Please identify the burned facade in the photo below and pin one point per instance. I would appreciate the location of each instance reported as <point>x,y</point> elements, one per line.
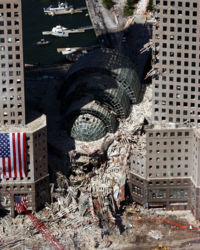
<point>98,90</point>
<point>22,176</point>
<point>168,174</point>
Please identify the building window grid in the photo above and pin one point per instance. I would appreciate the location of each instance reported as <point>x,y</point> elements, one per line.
<point>159,165</point>
<point>12,44</point>
<point>189,105</point>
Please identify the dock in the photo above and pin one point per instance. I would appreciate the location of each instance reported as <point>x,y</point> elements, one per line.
<point>75,49</point>
<point>64,12</point>
<point>67,32</point>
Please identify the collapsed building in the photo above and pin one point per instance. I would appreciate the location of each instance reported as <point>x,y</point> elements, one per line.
<point>97,96</point>
<point>100,169</point>
<point>98,91</point>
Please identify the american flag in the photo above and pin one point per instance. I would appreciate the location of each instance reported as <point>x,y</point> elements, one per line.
<point>20,202</point>
<point>13,155</point>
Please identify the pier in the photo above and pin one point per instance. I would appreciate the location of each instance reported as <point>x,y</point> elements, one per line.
<point>75,49</point>
<point>65,12</point>
<point>64,32</point>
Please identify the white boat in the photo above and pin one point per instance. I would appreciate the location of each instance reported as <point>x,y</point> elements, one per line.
<point>60,31</point>
<point>57,31</point>
<point>68,51</point>
<point>62,8</point>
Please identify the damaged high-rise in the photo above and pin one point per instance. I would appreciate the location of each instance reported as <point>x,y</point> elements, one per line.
<point>168,174</point>
<point>23,147</point>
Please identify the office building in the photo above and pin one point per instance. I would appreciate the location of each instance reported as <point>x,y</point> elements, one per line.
<point>24,173</point>
<point>169,173</point>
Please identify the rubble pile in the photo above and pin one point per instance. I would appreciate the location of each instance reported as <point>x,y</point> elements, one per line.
<point>139,113</point>
<point>86,208</point>
<point>75,231</point>
<point>96,188</point>
<point>99,169</point>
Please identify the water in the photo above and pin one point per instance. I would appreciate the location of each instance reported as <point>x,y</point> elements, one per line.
<point>35,21</point>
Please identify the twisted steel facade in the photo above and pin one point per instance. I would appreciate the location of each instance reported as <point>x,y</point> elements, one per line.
<point>98,90</point>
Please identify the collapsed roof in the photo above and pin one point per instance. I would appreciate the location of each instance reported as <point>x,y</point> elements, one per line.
<point>98,89</point>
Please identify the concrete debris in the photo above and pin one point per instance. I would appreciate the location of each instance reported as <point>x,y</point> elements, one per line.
<point>147,47</point>
<point>87,205</point>
<point>86,209</point>
<point>89,208</point>
<point>152,72</point>
<point>155,234</point>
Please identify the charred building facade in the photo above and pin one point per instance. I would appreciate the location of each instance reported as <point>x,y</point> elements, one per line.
<point>23,164</point>
<point>168,175</point>
<point>98,90</point>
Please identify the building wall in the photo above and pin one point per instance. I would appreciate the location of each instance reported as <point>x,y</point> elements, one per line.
<point>11,64</point>
<point>169,153</point>
<point>36,185</point>
<point>172,140</point>
<point>37,162</point>
<point>195,197</point>
<point>167,193</point>
<point>138,164</point>
<point>197,203</point>
<point>40,153</point>
<point>138,188</point>
<point>172,169</point>
<point>195,155</point>
<point>37,193</point>
<point>176,36</point>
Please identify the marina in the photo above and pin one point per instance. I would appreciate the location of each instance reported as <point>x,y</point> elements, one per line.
<point>33,28</point>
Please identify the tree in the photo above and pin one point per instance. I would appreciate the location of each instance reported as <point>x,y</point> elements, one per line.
<point>128,11</point>
<point>150,5</point>
<point>107,3</point>
<point>130,7</point>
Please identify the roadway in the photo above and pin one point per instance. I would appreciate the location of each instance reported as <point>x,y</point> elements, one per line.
<point>106,25</point>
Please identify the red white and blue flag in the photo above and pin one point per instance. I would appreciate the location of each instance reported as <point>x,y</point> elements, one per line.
<point>12,155</point>
<point>20,203</point>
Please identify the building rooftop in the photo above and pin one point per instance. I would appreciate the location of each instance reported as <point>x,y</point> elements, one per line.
<point>28,128</point>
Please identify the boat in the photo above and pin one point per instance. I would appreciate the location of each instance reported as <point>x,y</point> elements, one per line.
<point>62,8</point>
<point>58,31</point>
<point>42,42</point>
<point>73,57</point>
<point>68,51</point>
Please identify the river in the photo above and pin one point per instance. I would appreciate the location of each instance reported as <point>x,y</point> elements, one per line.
<point>35,21</point>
